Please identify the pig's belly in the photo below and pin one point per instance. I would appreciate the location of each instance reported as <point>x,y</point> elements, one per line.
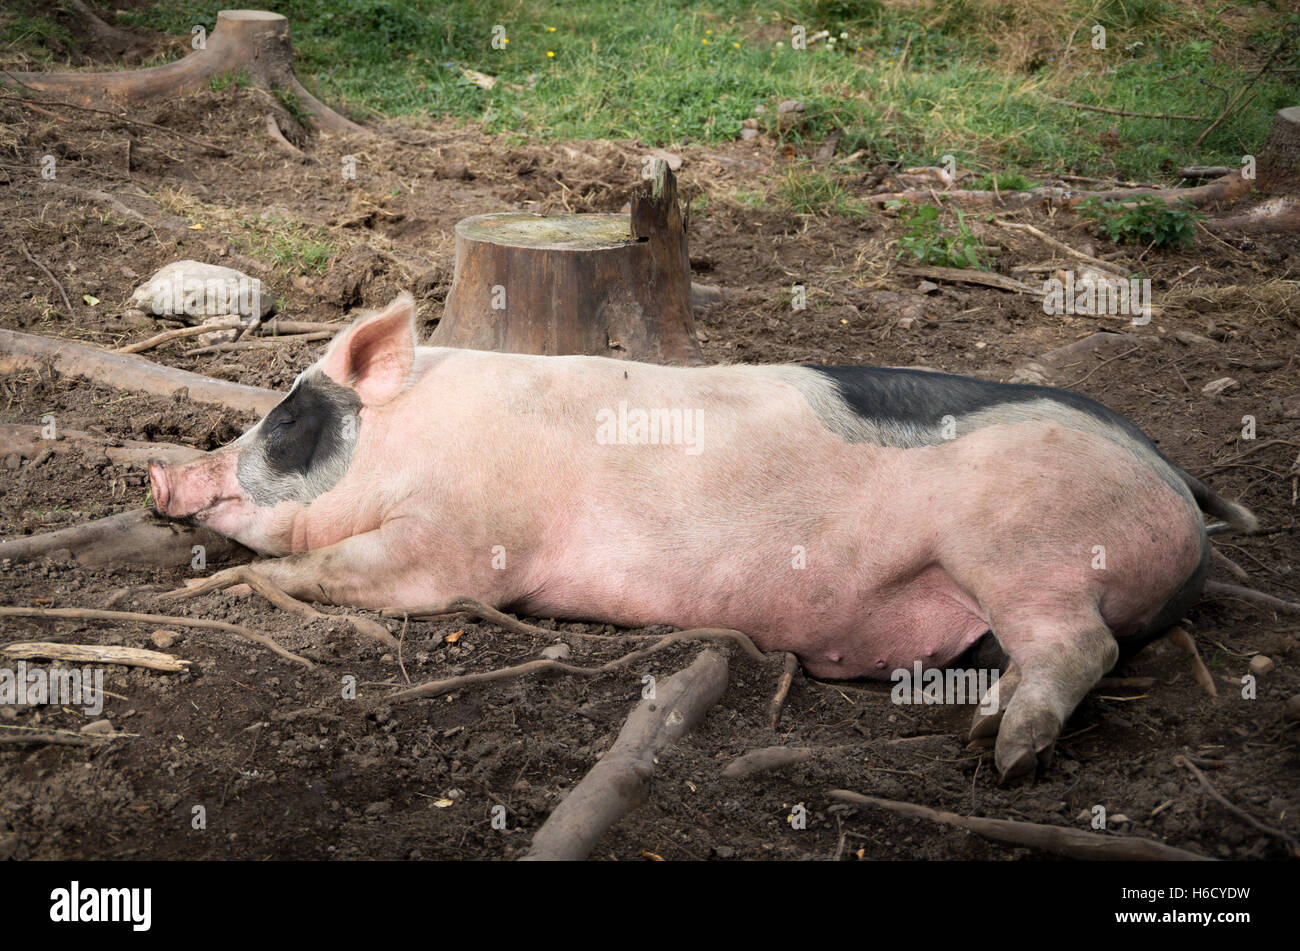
<point>841,631</point>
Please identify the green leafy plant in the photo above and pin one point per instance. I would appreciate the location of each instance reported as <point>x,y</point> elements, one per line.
<point>929,243</point>
<point>1144,220</point>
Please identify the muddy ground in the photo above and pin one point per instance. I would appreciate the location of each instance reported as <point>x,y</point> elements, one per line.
<point>286,768</point>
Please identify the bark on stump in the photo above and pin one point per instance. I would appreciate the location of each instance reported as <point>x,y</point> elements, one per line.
<point>254,42</point>
<point>602,285</point>
<point>1278,162</point>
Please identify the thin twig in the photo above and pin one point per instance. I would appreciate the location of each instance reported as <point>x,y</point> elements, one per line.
<point>1236,810</point>
<point>1123,112</point>
<point>22,246</point>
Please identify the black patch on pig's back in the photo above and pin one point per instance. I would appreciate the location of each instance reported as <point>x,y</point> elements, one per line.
<point>922,398</point>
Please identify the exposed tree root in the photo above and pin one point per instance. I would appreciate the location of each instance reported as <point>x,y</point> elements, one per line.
<point>252,42</point>
<point>1059,840</point>
<point>1237,571</point>
<point>788,670</point>
<point>478,609</point>
<point>28,351</point>
<point>1200,673</point>
<point>88,614</point>
<point>1250,594</point>
<point>28,440</point>
<point>766,760</point>
<point>132,538</point>
<point>617,783</point>
<point>247,574</point>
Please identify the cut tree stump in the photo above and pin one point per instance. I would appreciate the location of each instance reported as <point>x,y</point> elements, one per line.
<point>601,285</point>
<point>252,42</point>
<point>1278,162</point>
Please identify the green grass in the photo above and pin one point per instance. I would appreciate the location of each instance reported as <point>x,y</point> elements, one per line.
<point>912,81</point>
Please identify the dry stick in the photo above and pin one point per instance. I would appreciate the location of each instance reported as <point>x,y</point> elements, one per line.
<point>1059,840</point>
<point>95,654</point>
<point>167,336</point>
<point>788,671</point>
<point>1200,673</point>
<point>37,109</point>
<point>136,538</point>
<point>84,614</point>
<point>617,783</point>
<point>22,246</point>
<point>968,276</point>
<point>478,609</point>
<point>247,574</point>
<point>1059,245</point>
<point>1250,594</point>
<point>1237,811</point>
<point>261,343</point>
<point>1123,112</point>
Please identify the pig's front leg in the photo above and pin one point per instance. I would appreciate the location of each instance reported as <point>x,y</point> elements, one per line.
<point>1058,664</point>
<point>370,570</point>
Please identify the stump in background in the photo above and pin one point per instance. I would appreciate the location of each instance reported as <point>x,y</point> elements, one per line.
<point>603,285</point>
<point>1278,162</point>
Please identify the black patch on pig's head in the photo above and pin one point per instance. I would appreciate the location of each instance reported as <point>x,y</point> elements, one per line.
<point>303,447</point>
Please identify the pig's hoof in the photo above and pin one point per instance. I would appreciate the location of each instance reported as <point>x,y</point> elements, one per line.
<point>1025,741</point>
<point>985,723</point>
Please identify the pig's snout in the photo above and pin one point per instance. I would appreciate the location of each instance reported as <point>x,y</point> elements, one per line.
<point>158,483</point>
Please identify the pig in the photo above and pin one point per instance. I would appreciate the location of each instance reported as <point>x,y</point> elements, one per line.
<point>863,518</point>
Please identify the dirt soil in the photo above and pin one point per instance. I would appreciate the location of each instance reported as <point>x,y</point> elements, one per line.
<point>284,767</point>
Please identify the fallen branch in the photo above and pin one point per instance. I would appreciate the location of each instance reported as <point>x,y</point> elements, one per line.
<point>617,783</point>
<point>1003,199</point>
<point>48,739</point>
<point>133,538</point>
<point>971,276</point>
<point>1059,840</point>
<point>260,343</point>
<point>1237,571</point>
<point>94,654</point>
<point>1059,245</point>
<point>1237,811</point>
<point>157,340</point>
<point>1250,594</point>
<point>28,352</point>
<point>789,669</point>
<point>88,614</point>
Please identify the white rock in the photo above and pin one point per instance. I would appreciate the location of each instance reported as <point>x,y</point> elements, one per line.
<point>557,652</point>
<point>203,290</point>
<point>1215,387</point>
<point>1261,665</point>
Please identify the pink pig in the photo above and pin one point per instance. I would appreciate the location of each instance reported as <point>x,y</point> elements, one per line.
<point>862,518</point>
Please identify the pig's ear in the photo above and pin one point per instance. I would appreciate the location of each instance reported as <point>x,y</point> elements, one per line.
<point>374,356</point>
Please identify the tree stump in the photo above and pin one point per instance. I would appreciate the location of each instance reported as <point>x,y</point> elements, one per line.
<point>603,285</point>
<point>1278,162</point>
<point>254,42</point>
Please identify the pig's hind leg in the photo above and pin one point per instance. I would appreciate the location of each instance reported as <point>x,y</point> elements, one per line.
<point>1058,660</point>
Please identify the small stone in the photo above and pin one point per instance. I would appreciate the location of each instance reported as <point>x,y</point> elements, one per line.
<point>1261,665</point>
<point>789,106</point>
<point>13,460</point>
<point>1293,708</point>
<point>724,852</point>
<point>98,726</point>
<point>1215,387</point>
<point>557,652</point>
<point>1118,819</point>
<point>163,639</point>
<point>379,808</point>
<point>748,135</point>
<point>749,124</point>
<point>1291,407</point>
<point>927,287</point>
